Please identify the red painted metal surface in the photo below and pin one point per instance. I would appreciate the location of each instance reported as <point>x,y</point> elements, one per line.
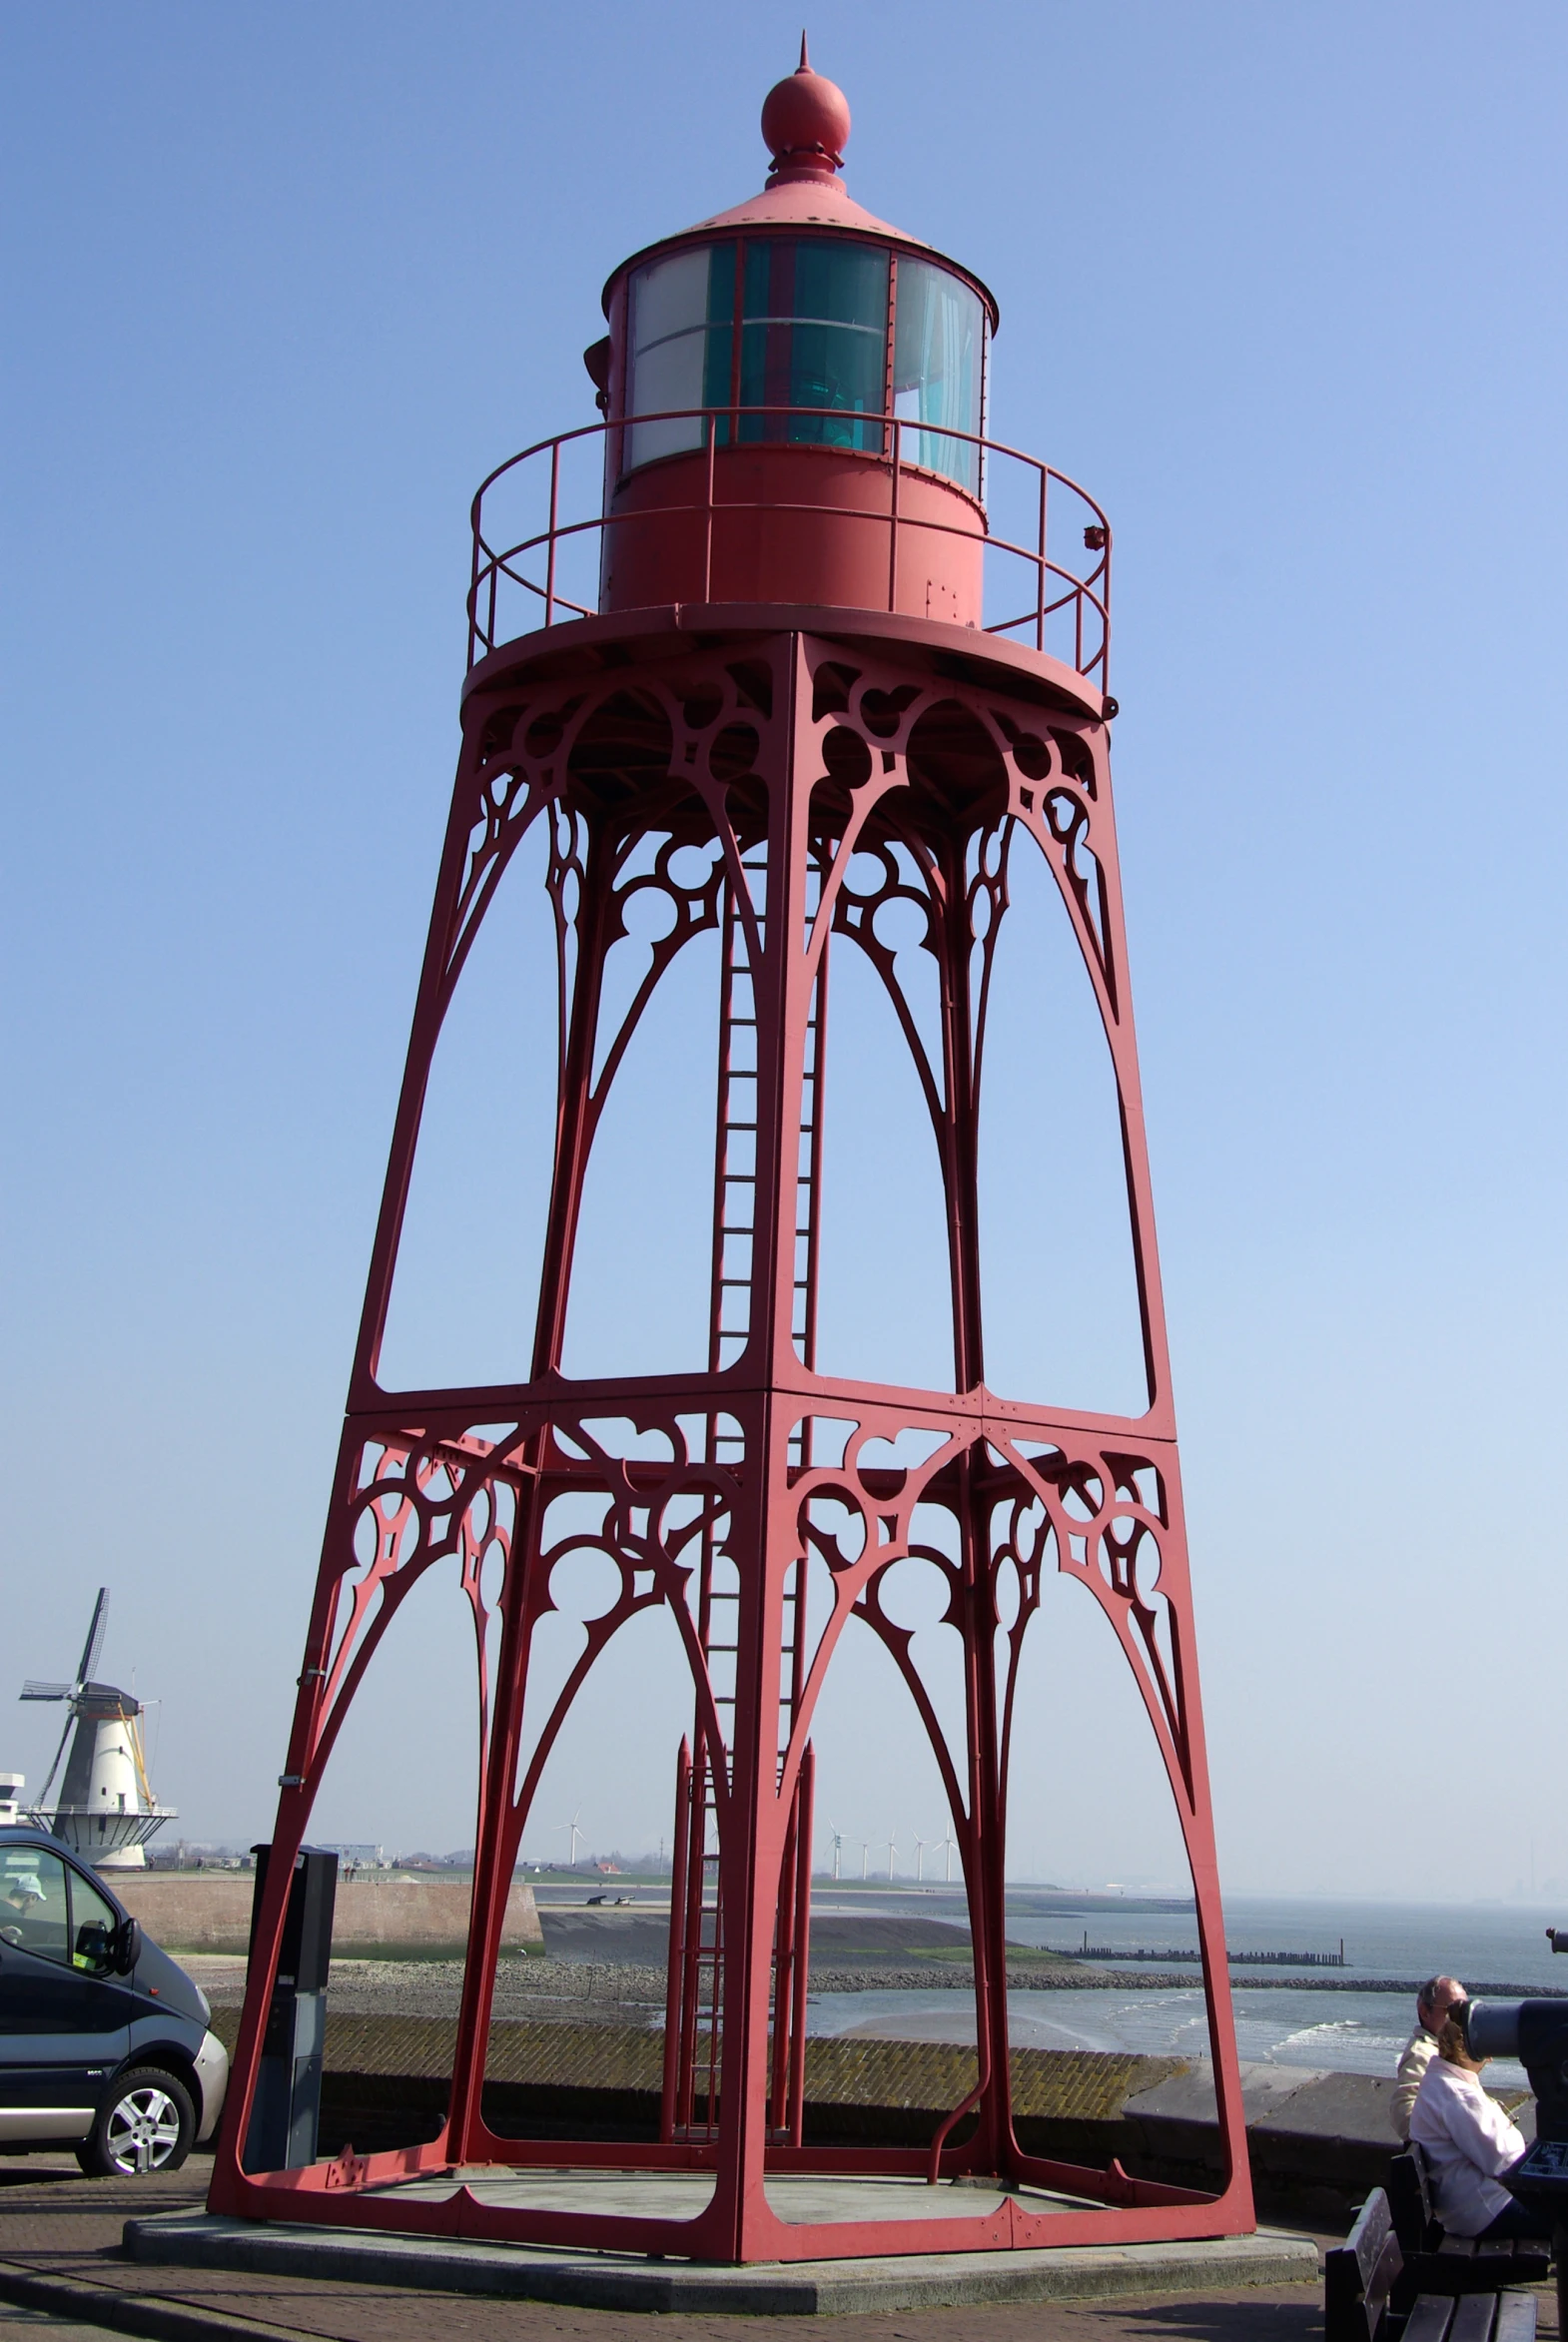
<point>812,525</point>
<point>797,525</point>
<point>776,774</point>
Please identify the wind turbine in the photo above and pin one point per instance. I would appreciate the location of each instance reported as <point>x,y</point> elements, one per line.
<point>575,1834</point>
<point>865,1857</point>
<point>838,1847</point>
<point>950,1843</point>
<point>892,1843</point>
<point>919,1860</point>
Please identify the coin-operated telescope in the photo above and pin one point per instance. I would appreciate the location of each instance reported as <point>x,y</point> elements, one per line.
<point>1536,2032</point>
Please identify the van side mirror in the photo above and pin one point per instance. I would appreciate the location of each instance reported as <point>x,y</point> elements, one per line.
<point>128,1948</point>
<point>97,1949</point>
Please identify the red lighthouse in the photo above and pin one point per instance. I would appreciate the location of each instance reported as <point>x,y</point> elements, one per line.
<point>817,675</point>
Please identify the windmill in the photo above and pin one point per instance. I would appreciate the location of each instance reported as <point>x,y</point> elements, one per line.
<point>837,1836</point>
<point>106,1808</point>
<point>919,1860</point>
<point>575,1834</point>
<point>950,1844</point>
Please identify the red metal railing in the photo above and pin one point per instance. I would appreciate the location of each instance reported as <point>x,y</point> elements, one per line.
<point>1070,612</point>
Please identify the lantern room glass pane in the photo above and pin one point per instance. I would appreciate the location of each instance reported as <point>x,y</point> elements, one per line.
<point>939,370</point>
<point>680,331</point>
<point>814,335</point>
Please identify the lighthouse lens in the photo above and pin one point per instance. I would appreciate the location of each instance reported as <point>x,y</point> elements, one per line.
<point>937,371</point>
<point>811,351</point>
<point>682,337</point>
<point>814,326</point>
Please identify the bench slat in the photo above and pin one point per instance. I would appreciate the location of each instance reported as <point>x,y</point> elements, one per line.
<point>1368,2240</point>
<point>1459,2249</point>
<point>1473,2316</point>
<point>1429,2321</point>
<point>1360,2275</point>
<point>1409,2200</point>
<point>1387,2275</point>
<point>1433,2272</point>
<point>1531,2263</point>
<point>1515,2317</point>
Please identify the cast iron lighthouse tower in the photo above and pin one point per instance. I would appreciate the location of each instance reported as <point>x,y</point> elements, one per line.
<point>810,674</point>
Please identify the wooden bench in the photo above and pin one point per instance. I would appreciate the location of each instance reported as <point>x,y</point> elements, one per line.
<point>1363,2276</point>
<point>1471,2317</point>
<point>1435,2264</point>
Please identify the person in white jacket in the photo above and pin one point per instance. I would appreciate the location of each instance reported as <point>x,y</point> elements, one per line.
<point>1469,2142</point>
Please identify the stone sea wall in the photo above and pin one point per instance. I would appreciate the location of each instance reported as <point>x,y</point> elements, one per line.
<point>1317,2141</point>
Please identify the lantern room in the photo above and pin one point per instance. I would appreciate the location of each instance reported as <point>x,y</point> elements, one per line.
<point>797,395</point>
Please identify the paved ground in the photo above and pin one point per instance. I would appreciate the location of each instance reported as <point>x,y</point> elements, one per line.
<point>22,2325</point>
<point>55,2223</point>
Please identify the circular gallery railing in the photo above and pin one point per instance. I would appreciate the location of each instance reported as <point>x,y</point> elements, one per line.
<point>543,539</point>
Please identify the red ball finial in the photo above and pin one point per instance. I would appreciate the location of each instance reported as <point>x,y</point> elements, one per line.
<point>805,121</point>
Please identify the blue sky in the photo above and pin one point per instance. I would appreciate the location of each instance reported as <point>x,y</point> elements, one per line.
<point>1283,289</point>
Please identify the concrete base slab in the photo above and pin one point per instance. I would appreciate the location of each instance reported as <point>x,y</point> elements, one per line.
<point>629,2281</point>
<point>682,2195</point>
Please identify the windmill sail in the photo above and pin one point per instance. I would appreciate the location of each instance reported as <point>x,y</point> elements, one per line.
<point>95,1637</point>
<point>49,1778</point>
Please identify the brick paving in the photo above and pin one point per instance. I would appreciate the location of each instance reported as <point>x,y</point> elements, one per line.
<point>55,2223</point>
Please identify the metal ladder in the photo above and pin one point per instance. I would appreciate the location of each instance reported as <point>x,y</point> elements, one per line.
<point>693,2033</point>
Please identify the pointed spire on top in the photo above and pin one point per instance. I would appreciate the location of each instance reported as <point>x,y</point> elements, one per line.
<point>805,121</point>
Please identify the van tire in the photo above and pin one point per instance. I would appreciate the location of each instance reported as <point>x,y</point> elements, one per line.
<point>146,2123</point>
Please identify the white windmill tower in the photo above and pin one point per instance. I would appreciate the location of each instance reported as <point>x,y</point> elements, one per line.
<point>106,1808</point>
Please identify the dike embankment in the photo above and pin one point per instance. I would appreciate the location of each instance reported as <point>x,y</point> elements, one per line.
<point>210,1910</point>
<point>1319,2141</point>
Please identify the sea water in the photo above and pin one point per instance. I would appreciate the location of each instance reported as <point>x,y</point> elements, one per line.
<point>1282,2018</point>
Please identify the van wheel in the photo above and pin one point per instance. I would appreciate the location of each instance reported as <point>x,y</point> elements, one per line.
<point>147,2124</point>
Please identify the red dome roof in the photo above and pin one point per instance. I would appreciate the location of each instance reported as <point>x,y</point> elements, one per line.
<point>805,121</point>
